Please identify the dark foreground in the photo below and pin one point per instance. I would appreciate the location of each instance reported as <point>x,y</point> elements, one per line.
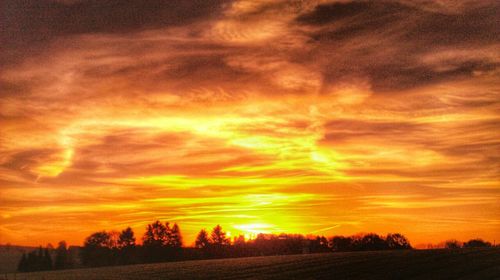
<point>413,264</point>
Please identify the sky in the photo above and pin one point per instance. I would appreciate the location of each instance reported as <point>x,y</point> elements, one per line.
<point>313,117</point>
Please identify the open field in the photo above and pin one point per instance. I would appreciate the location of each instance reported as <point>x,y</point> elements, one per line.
<point>412,264</point>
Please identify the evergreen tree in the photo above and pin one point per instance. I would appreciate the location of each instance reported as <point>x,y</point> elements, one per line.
<point>155,242</point>
<point>62,257</point>
<point>175,237</point>
<point>218,236</point>
<point>202,240</point>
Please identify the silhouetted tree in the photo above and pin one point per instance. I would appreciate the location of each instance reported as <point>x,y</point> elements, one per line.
<point>371,242</point>
<point>155,235</point>
<point>397,241</point>
<point>62,259</point>
<point>318,244</point>
<point>175,237</point>
<point>476,243</point>
<point>168,234</point>
<point>160,242</point>
<point>218,236</point>
<point>126,238</point>
<point>173,249</point>
<point>239,240</point>
<point>37,260</point>
<point>341,243</point>
<point>126,251</point>
<point>239,245</point>
<point>282,244</point>
<point>97,249</point>
<point>452,244</point>
<point>262,245</point>
<point>100,239</point>
<point>219,243</point>
<point>202,240</point>
<point>154,239</point>
<point>47,260</point>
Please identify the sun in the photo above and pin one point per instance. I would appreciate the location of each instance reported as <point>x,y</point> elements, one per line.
<point>250,231</point>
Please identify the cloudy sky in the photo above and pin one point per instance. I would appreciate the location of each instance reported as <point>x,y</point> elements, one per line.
<point>315,117</point>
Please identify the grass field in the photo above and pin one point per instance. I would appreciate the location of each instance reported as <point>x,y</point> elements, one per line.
<point>413,264</point>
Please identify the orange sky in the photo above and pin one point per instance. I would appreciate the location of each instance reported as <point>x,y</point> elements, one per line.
<point>313,117</point>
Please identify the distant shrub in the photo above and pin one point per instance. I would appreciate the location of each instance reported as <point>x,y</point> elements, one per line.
<point>452,244</point>
<point>476,243</point>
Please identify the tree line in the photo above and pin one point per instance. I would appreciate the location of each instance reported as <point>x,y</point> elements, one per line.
<point>41,259</point>
<point>473,243</point>
<point>163,242</point>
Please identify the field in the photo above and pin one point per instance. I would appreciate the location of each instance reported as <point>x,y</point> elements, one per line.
<point>413,264</point>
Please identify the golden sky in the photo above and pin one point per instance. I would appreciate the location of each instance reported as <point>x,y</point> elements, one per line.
<point>313,117</point>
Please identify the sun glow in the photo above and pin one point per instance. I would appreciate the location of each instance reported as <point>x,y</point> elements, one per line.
<point>251,230</point>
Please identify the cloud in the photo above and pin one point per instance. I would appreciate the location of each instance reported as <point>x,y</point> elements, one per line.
<point>385,41</point>
<point>32,21</point>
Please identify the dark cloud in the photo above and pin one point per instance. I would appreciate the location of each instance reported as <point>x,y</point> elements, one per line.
<point>346,130</point>
<point>327,13</point>
<point>29,158</point>
<point>478,24</point>
<point>26,23</point>
<point>9,88</point>
<point>468,141</point>
<point>386,40</point>
<point>471,27</point>
<point>25,162</point>
<point>409,73</point>
<point>42,19</point>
